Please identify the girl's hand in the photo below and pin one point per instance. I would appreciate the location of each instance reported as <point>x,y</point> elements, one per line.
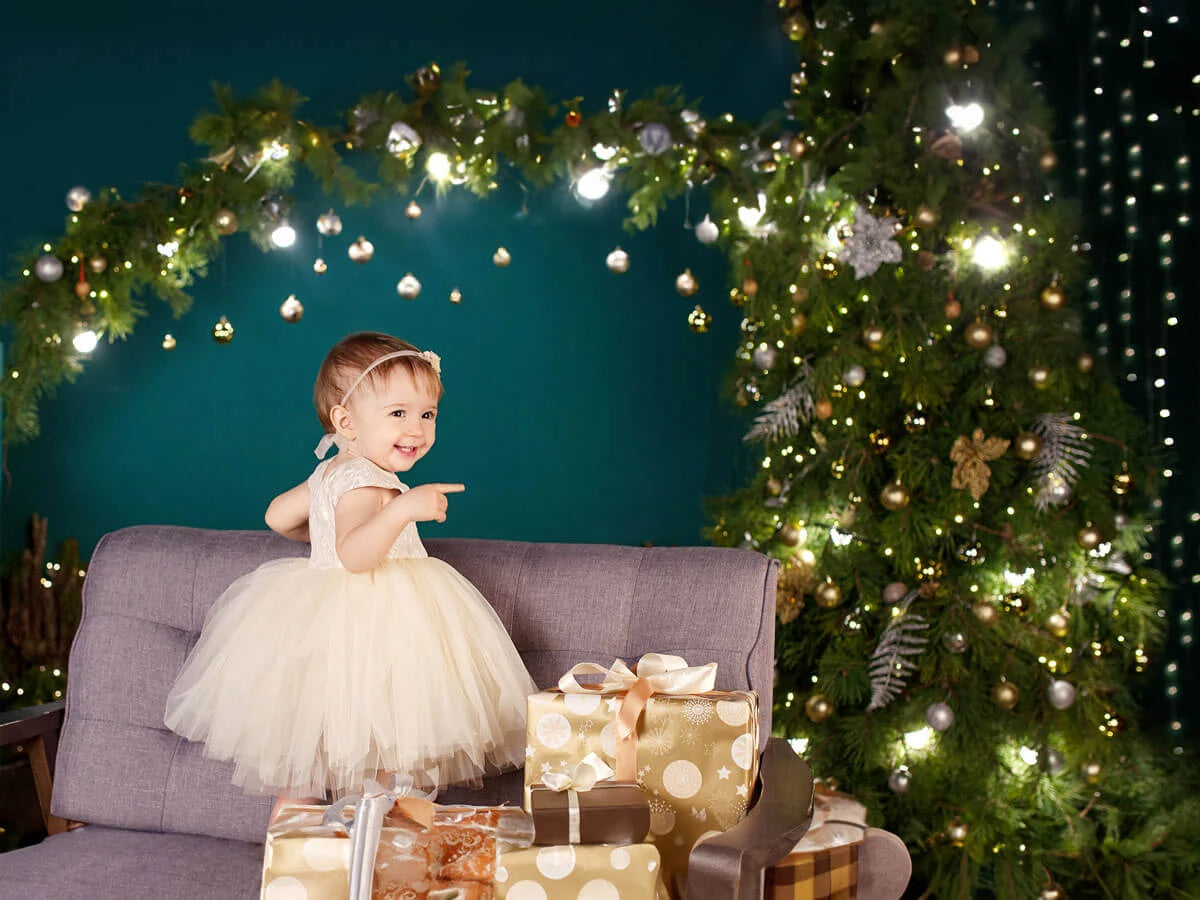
<point>427,502</point>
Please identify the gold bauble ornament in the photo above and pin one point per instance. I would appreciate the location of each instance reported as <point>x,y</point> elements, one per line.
<point>501,258</point>
<point>881,441</point>
<point>930,571</point>
<point>1027,445</point>
<point>823,408</point>
<point>956,832</point>
<point>789,535</point>
<point>1086,362</point>
<point>97,264</point>
<point>795,26</point>
<point>1089,537</point>
<point>1005,695</point>
<point>979,335</point>
<point>818,708</point>
<point>320,267</point>
<point>427,79</point>
<point>828,595</point>
<point>797,324</point>
<point>750,287</point>
<point>797,146</point>
<point>1123,482</point>
<point>916,421</point>
<point>774,486</point>
<point>291,310</point>
<point>953,309</point>
<point>329,224</point>
<point>1092,771</point>
<point>970,54</point>
<point>408,287</point>
<point>838,468</point>
<point>455,296</point>
<point>1058,622</point>
<point>82,289</point>
<point>226,221</point>
<point>1016,603</point>
<point>872,337</point>
<point>169,342</point>
<point>686,283</point>
<point>926,216</point>
<point>985,613</point>
<point>222,332</point>
<point>699,320</point>
<point>894,496</point>
<point>953,57</point>
<point>617,261</point>
<point>1052,892</point>
<point>1048,160</point>
<point>1039,376</point>
<point>413,210</point>
<point>1054,297</point>
<point>361,250</point>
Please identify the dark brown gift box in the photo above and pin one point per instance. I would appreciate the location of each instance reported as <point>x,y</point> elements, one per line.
<point>611,812</point>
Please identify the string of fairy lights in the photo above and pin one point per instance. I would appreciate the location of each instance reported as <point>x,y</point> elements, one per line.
<point>1133,172</point>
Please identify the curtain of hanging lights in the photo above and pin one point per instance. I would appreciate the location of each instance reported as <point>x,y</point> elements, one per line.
<point>1127,82</point>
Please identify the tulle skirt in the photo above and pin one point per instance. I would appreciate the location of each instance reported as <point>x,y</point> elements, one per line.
<point>311,679</point>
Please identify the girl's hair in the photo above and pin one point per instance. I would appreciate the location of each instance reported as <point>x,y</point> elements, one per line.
<point>352,355</point>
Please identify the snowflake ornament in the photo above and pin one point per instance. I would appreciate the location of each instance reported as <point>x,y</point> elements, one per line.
<point>872,243</point>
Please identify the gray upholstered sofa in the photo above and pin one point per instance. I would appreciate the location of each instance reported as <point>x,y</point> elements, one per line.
<point>164,822</point>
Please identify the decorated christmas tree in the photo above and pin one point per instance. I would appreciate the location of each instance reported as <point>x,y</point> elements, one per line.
<point>946,470</point>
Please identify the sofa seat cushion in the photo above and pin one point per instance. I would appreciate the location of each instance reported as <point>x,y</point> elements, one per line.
<point>97,863</point>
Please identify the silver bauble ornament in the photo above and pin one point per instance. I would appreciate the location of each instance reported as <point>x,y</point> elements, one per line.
<point>501,258</point>
<point>954,641</point>
<point>361,250</point>
<point>329,224</point>
<point>413,210</point>
<point>899,781</point>
<point>655,138</point>
<point>291,310</point>
<point>402,139</point>
<point>855,375</point>
<point>707,231</point>
<point>895,592</point>
<point>995,356</point>
<point>1061,694</point>
<point>617,261</point>
<point>764,357</point>
<point>408,287</point>
<point>78,197</point>
<point>939,716</point>
<point>1054,761</point>
<point>48,268</point>
<point>320,266</point>
<point>686,283</point>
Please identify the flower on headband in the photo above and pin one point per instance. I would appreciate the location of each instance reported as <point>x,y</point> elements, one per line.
<point>433,359</point>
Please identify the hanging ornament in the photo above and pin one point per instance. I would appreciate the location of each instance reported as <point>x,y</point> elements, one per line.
<point>818,708</point>
<point>655,138</point>
<point>926,260</point>
<point>1052,891</point>
<point>427,79</point>
<point>789,535</point>
<point>925,216</point>
<point>501,258</point>
<point>82,289</point>
<point>953,57</point>
<point>939,716</point>
<point>320,266</point>
<point>971,553</point>
<point>707,231</point>
<point>693,124</point>
<point>1054,297</point>
<point>765,356</point>
<point>1091,771</point>
<point>750,287</point>
<point>797,324</point>
<point>828,595</point>
<point>838,468</point>
<point>408,287</point>
<point>1089,537</point>
<point>329,224</point>
<point>413,210</point>
<point>222,332</point>
<point>952,309</point>
<point>573,118</point>
<point>954,641</point>
<point>1058,623</point>
<point>979,335</point>
<point>855,375</point>
<point>970,457</point>
<point>698,321</point>
<point>1005,695</point>
<point>895,592</point>
<point>916,421</point>
<point>1061,694</point>
<point>881,441</point>
<point>169,342</point>
<point>823,408</point>
<point>1027,445</point>
<point>774,486</point>
<point>970,55</point>
<point>956,832</point>
<point>872,337</point>
<point>48,268</point>
<point>1123,482</point>
<point>871,243</point>
<point>894,496</point>
<point>900,780</point>
<point>1048,160</point>
<point>795,26</point>
<point>226,221</point>
<point>617,261</point>
<point>78,197</point>
<point>1053,490</point>
<point>97,264</point>
<point>995,356</point>
<point>291,310</point>
<point>686,283</point>
<point>455,296</point>
<point>1016,603</point>
<point>985,613</point>
<point>1086,362</point>
<point>797,146</point>
<point>361,250</point>
<point>1054,761</point>
<point>1039,376</point>
<point>402,140</point>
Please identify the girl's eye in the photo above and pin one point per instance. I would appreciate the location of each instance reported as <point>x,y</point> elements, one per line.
<point>429,415</point>
<point>399,413</point>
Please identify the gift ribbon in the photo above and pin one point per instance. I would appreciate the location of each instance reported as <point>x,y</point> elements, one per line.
<point>584,777</point>
<point>655,673</point>
<point>366,826</point>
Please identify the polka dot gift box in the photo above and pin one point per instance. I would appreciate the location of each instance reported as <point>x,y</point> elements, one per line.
<point>580,872</point>
<point>694,750</point>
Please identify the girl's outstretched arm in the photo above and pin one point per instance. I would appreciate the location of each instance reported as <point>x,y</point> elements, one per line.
<point>369,519</point>
<point>287,514</point>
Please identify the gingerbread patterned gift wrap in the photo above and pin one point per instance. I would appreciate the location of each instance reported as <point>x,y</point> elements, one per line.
<point>693,749</point>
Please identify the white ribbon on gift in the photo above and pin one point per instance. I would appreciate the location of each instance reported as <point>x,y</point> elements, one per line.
<point>366,827</point>
<point>583,777</point>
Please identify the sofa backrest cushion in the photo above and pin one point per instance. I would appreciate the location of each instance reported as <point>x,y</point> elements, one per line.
<point>148,588</point>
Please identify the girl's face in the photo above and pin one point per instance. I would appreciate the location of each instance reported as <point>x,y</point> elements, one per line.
<point>393,425</point>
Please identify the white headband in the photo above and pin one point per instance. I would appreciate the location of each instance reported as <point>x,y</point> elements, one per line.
<point>435,363</point>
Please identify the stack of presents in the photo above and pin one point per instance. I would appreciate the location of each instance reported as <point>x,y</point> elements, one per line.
<point>622,778</point>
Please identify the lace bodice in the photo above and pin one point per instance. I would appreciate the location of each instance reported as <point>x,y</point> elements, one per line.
<point>328,482</point>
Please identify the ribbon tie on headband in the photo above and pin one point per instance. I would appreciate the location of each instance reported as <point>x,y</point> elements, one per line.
<point>655,673</point>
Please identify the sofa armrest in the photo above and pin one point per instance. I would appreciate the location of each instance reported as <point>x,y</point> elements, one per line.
<point>730,866</point>
<point>36,728</point>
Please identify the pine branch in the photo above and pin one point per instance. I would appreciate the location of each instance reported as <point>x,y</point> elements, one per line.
<point>892,662</point>
<point>783,416</point>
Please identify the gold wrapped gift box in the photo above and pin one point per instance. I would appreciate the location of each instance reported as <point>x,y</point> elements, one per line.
<point>824,864</point>
<point>590,871</point>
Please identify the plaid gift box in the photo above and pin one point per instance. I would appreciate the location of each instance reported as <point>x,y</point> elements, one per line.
<point>824,865</point>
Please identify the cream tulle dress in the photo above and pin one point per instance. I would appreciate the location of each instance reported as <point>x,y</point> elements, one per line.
<point>310,677</point>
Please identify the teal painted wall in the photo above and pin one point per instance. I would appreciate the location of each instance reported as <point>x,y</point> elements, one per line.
<point>579,406</point>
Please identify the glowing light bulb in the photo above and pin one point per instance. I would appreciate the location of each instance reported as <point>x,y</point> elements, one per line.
<point>85,341</point>
<point>438,166</point>
<point>275,150</point>
<point>168,248</point>
<point>965,119</point>
<point>990,254</point>
<point>593,184</point>
<point>918,740</point>
<point>284,235</point>
<point>1029,756</point>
